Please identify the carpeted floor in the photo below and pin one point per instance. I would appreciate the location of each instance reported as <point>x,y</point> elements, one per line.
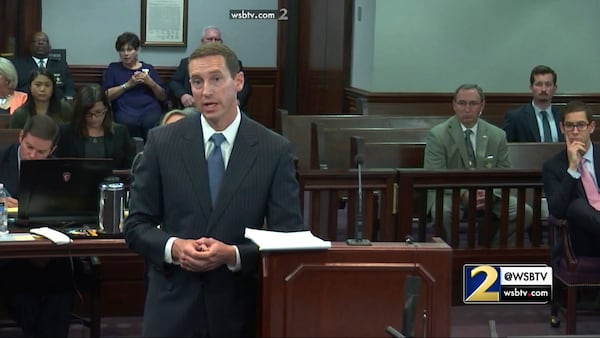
<point>513,320</point>
<point>467,321</point>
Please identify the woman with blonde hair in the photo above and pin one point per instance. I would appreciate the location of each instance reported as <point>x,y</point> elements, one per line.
<point>10,98</point>
<point>173,116</point>
<point>170,117</point>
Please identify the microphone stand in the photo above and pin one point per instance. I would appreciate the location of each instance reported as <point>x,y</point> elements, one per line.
<point>359,240</point>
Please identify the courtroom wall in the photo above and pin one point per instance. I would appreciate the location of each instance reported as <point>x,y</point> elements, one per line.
<point>88,30</point>
<point>434,45</point>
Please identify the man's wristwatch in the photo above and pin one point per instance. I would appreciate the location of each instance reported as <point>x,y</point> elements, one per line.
<point>124,86</point>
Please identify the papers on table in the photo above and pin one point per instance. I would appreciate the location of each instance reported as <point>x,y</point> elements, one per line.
<point>274,240</point>
<point>17,236</point>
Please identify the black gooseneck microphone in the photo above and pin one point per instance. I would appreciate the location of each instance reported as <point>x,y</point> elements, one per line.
<point>359,160</point>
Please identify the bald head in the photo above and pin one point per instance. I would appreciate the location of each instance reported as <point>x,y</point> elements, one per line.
<point>40,45</point>
<point>211,34</point>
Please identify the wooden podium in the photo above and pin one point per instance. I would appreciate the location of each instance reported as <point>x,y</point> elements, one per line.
<point>354,291</point>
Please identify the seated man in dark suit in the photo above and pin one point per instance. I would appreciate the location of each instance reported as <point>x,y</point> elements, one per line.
<point>571,180</point>
<point>179,85</point>
<point>38,293</point>
<point>40,57</point>
<point>536,121</point>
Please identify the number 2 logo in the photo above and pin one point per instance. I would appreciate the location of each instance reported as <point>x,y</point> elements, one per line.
<point>481,294</point>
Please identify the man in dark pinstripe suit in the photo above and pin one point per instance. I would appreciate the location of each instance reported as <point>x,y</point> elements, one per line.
<point>204,276</point>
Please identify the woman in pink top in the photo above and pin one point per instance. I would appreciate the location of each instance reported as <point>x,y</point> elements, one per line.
<point>10,99</point>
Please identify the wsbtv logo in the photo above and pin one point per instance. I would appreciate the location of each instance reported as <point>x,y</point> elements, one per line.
<point>518,283</point>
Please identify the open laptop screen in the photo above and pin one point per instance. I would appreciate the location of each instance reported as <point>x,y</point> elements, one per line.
<point>60,190</point>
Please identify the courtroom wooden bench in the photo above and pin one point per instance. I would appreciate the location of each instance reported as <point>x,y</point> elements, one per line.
<point>296,128</point>
<point>532,155</point>
<point>523,155</point>
<point>388,154</point>
<point>329,145</point>
<point>414,104</point>
<point>320,191</point>
<point>4,120</point>
<point>9,136</point>
<point>410,155</point>
<point>474,246</point>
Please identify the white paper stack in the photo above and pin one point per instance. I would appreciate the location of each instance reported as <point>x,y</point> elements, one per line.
<point>274,240</point>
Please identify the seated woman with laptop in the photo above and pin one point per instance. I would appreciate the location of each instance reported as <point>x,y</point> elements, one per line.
<point>93,133</point>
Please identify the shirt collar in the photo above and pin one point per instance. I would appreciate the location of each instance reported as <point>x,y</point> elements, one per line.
<point>37,60</point>
<point>589,154</point>
<point>473,129</point>
<point>538,110</point>
<point>230,132</point>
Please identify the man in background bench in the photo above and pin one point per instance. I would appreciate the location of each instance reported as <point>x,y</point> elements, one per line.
<point>537,121</point>
<point>40,58</point>
<point>571,180</point>
<point>179,85</point>
<point>465,141</point>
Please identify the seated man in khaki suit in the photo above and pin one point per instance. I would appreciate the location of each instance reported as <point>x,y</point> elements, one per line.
<point>465,141</point>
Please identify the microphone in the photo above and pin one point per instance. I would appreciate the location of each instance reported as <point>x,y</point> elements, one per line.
<point>359,160</point>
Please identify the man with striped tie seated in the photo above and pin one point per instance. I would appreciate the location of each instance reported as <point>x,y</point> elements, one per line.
<point>466,141</point>
<point>571,180</point>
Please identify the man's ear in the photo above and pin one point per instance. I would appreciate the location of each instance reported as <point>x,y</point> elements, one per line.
<point>239,81</point>
<point>21,136</point>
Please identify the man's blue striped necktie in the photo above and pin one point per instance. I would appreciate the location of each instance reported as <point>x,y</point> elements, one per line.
<point>216,166</point>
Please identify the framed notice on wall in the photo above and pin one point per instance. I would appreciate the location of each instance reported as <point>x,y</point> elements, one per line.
<point>164,23</point>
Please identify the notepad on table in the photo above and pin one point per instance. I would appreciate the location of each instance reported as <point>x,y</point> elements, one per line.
<point>16,237</point>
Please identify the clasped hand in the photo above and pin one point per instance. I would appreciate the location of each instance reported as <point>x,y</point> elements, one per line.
<point>203,254</point>
<point>140,77</point>
<point>575,150</point>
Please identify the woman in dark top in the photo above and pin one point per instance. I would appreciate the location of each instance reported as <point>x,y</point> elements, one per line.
<point>42,100</point>
<point>134,88</point>
<point>92,132</point>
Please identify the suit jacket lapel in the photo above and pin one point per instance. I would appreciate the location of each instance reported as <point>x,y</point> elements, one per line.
<point>195,162</point>
<point>557,117</point>
<point>482,142</point>
<point>455,130</point>
<point>531,121</point>
<point>242,158</point>
<point>597,162</point>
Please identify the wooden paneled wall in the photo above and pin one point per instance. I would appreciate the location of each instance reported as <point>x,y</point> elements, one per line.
<point>262,103</point>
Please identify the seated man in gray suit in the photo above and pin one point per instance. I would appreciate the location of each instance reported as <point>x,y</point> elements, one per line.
<point>465,141</point>
<point>537,121</point>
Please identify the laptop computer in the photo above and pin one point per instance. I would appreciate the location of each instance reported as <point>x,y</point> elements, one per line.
<point>60,191</point>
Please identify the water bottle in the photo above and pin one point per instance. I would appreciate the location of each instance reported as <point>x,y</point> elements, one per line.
<point>3,210</point>
<point>112,202</point>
